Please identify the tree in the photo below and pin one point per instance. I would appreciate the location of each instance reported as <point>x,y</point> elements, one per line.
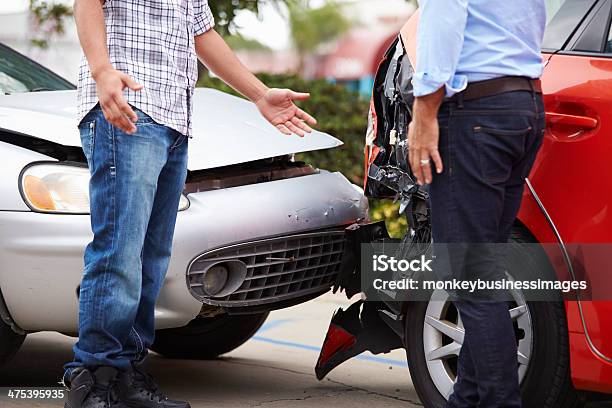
<point>50,16</point>
<point>49,20</point>
<point>312,27</point>
<point>225,11</point>
<point>238,42</point>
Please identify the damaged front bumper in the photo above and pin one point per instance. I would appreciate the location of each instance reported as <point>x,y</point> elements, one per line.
<point>42,254</point>
<point>375,323</point>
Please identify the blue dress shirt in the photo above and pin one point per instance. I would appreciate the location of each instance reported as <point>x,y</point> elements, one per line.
<point>463,41</point>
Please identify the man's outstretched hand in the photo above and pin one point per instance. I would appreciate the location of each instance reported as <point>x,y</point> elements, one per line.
<point>278,107</point>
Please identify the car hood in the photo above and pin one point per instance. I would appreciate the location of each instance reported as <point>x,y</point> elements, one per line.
<point>227,130</point>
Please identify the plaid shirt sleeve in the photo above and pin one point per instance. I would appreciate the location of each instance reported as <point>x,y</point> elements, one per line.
<point>204,20</point>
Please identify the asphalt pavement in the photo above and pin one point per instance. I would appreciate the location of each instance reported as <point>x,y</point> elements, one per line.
<point>273,370</point>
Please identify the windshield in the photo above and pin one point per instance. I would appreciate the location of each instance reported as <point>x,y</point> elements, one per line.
<point>20,74</point>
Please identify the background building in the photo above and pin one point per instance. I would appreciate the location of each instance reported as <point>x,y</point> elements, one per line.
<point>353,58</point>
<point>356,56</point>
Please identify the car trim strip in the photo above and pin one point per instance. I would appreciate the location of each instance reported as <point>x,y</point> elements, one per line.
<point>568,262</point>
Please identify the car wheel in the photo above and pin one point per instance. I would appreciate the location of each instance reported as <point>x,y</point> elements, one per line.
<point>206,338</point>
<point>434,334</point>
<point>10,342</point>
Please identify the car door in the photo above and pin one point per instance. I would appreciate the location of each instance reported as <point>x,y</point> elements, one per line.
<point>572,174</point>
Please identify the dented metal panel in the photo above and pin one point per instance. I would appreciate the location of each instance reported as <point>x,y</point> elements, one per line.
<point>227,130</point>
<point>42,254</point>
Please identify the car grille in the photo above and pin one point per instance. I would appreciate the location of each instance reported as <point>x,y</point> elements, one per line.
<point>278,269</point>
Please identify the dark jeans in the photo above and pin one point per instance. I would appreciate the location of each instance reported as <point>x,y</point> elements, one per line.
<point>488,146</point>
<point>135,188</point>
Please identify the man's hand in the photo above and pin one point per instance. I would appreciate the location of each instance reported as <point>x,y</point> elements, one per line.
<point>424,136</point>
<point>110,84</point>
<point>278,107</point>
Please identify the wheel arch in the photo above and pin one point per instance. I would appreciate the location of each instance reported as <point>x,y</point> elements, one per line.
<point>534,219</point>
<point>5,315</point>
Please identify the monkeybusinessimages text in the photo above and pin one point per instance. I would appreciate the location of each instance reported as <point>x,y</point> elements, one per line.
<point>385,263</point>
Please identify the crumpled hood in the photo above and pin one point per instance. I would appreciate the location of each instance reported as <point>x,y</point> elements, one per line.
<point>227,130</point>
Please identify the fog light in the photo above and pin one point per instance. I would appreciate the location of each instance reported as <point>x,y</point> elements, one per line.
<point>215,279</point>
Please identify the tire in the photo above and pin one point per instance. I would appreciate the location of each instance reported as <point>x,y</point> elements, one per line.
<point>208,337</point>
<point>10,342</point>
<point>545,378</point>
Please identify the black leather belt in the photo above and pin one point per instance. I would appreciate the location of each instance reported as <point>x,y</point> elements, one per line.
<point>496,86</point>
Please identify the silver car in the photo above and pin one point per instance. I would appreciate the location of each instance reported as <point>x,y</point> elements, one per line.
<point>256,231</point>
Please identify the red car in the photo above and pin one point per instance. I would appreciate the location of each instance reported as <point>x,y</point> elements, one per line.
<point>571,173</point>
<point>565,347</point>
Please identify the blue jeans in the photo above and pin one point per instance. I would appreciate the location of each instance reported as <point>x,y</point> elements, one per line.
<point>135,188</point>
<point>488,146</point>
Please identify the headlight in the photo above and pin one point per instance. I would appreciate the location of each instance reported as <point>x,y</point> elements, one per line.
<point>58,188</point>
<point>184,203</point>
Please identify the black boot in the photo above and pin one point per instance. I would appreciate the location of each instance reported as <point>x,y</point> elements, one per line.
<point>138,390</point>
<point>93,389</point>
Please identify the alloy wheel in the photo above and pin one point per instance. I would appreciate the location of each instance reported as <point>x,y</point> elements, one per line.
<point>443,334</point>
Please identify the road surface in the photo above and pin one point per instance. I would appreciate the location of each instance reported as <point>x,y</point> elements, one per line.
<point>274,369</point>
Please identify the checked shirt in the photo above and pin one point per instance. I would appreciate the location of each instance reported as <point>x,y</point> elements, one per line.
<point>153,42</point>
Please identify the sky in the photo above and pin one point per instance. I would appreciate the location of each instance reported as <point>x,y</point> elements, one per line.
<point>270,29</point>
<point>12,6</point>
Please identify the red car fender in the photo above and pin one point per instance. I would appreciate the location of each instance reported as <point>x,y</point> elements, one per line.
<point>534,217</point>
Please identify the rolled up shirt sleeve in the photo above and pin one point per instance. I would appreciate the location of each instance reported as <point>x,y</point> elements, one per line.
<point>204,19</point>
<point>439,43</point>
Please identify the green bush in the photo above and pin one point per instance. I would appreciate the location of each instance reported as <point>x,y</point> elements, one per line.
<point>388,211</point>
<point>343,114</point>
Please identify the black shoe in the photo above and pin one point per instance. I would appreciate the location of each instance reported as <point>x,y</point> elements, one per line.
<point>93,389</point>
<point>138,390</point>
